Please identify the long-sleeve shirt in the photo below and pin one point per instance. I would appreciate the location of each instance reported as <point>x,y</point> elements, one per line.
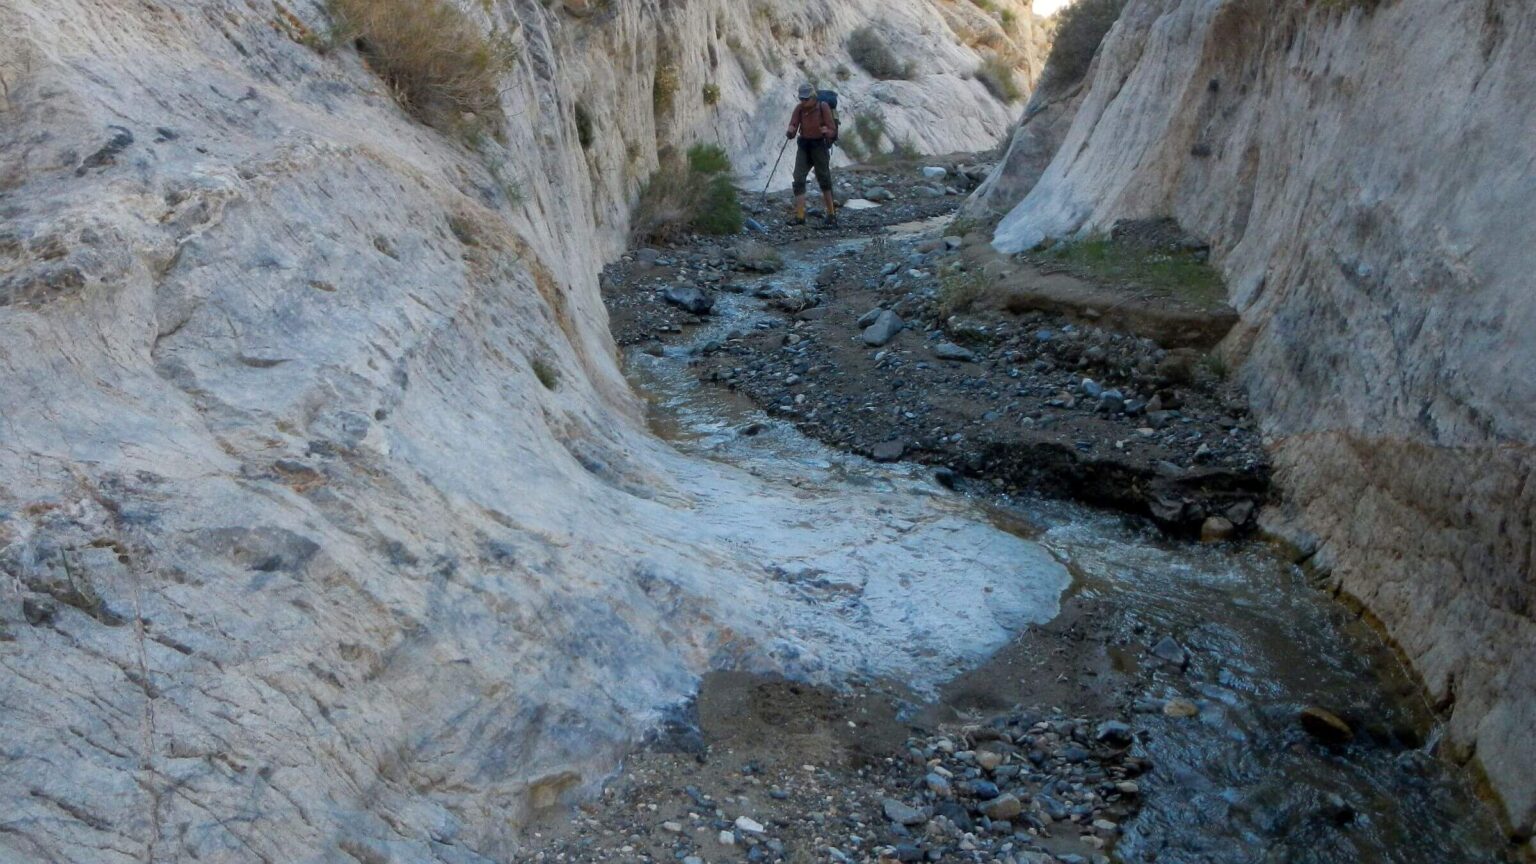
<point>814,123</point>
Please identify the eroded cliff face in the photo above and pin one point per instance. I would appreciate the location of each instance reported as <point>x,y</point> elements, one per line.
<point>1366,175</point>
<point>301,556</point>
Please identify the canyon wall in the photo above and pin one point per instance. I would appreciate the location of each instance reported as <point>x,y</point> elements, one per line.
<point>1366,174</point>
<point>329,526</point>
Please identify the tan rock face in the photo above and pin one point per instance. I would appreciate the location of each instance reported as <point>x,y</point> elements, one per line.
<point>329,526</point>
<point>1365,176</point>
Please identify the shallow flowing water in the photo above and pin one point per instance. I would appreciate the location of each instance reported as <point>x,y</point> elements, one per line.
<point>1240,781</point>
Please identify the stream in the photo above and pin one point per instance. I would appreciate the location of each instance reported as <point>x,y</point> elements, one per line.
<point>1240,780</point>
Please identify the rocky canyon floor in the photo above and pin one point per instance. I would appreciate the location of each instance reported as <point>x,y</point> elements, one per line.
<point>1193,702</point>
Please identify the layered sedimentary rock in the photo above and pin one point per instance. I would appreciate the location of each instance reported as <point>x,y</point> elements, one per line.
<point>1365,174</point>
<point>329,526</point>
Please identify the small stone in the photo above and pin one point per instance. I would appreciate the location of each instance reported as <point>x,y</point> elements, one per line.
<point>1325,726</point>
<point>937,785</point>
<point>934,172</point>
<point>1170,651</point>
<point>902,814</point>
<point>1091,388</point>
<point>986,790</point>
<point>988,759</point>
<point>1114,733</point>
<point>1002,807</point>
<point>951,351</point>
<point>1216,529</point>
<point>673,827</point>
<point>884,328</point>
<point>953,242</point>
<point>726,838</point>
<point>870,317</point>
<point>878,193</point>
<point>748,825</point>
<point>39,610</point>
<point>689,298</point>
<point>1128,787</point>
<point>1180,708</point>
<point>888,451</point>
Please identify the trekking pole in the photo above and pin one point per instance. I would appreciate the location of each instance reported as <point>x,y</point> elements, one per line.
<point>775,169</point>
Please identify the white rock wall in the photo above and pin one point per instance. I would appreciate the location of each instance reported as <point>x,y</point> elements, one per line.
<point>301,561</point>
<point>1367,176</point>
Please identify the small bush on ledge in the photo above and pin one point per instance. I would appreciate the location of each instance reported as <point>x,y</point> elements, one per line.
<point>869,49</point>
<point>996,74</point>
<point>442,68</point>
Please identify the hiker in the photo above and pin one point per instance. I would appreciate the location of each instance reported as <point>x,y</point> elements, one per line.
<point>814,121</point>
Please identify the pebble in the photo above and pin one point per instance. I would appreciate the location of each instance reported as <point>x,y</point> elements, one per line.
<point>1325,726</point>
<point>951,351</point>
<point>1002,807</point>
<point>1170,651</point>
<point>902,814</point>
<point>1180,708</point>
<point>1216,529</point>
<point>747,825</point>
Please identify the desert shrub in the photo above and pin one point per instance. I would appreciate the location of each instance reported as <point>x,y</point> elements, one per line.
<point>905,149</point>
<point>1009,18</point>
<point>853,147</point>
<point>441,67</point>
<point>869,49</point>
<point>711,94</point>
<point>692,193</point>
<point>996,74</point>
<point>958,292</point>
<point>869,126</point>
<point>1079,30</point>
<point>708,160</point>
<point>750,68</point>
<point>547,374</point>
<point>664,88</point>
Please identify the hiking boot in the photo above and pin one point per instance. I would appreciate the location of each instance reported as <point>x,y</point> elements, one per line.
<point>830,220</point>
<point>797,219</point>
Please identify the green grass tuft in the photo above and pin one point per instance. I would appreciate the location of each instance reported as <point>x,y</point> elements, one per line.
<point>1180,274</point>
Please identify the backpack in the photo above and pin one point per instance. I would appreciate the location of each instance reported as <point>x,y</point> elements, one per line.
<point>829,98</point>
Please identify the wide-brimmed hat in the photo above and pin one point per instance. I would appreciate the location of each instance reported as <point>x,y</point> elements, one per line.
<point>807,91</point>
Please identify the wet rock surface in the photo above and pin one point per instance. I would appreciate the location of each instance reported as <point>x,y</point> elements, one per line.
<point>860,345</point>
<point>763,769</point>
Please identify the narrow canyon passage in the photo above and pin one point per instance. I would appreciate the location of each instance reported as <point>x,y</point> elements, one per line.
<point>422,441</point>
<point>1214,661</point>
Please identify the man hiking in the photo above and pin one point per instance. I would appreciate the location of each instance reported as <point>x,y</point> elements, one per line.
<point>816,125</point>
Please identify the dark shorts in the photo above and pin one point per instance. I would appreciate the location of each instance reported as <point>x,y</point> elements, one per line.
<point>817,154</point>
